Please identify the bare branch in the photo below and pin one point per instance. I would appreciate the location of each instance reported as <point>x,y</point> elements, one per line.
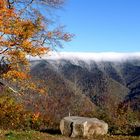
<point>4,51</point>
<point>9,4</point>
<point>22,11</point>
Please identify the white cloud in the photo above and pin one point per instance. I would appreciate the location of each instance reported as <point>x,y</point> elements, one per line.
<point>102,56</point>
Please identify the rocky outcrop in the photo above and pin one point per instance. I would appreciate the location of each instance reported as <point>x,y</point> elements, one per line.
<point>74,126</point>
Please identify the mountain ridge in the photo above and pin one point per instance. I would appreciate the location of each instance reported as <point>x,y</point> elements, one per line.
<point>97,78</point>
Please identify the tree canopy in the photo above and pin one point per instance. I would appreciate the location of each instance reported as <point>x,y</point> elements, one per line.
<point>24,31</point>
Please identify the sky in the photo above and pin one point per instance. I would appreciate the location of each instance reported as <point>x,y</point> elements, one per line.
<point>102,25</point>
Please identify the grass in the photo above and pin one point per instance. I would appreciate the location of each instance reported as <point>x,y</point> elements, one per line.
<point>35,135</point>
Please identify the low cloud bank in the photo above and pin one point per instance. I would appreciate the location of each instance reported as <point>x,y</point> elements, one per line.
<point>102,56</point>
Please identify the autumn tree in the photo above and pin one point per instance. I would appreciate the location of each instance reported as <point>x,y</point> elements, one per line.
<point>24,32</point>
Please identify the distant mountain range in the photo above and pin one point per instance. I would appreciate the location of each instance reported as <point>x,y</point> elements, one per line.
<point>96,79</point>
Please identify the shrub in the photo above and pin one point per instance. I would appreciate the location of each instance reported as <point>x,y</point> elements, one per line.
<point>120,119</point>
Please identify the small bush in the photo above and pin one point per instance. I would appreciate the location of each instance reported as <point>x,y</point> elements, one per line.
<point>12,114</point>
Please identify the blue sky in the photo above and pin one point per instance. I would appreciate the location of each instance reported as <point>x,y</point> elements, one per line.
<point>102,25</point>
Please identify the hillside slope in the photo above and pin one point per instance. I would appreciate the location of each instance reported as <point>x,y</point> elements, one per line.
<point>100,80</point>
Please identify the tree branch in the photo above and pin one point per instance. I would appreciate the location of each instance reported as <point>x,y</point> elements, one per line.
<point>4,51</point>
<point>9,4</point>
<point>26,7</point>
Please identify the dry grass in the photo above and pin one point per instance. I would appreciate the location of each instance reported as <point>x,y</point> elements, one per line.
<point>34,135</point>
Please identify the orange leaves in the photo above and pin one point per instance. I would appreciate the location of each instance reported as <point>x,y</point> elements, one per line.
<point>30,49</point>
<point>41,91</point>
<point>42,50</point>
<point>26,46</point>
<point>6,13</point>
<point>10,23</point>
<point>2,4</point>
<point>6,19</point>
<point>16,57</point>
<point>35,116</point>
<point>25,30</point>
<point>49,34</point>
<point>13,74</point>
<point>17,53</point>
